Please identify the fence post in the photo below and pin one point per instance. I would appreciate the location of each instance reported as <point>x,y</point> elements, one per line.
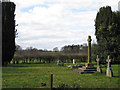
<point>51,80</point>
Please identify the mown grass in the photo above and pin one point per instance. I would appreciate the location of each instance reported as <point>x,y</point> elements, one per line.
<point>32,75</point>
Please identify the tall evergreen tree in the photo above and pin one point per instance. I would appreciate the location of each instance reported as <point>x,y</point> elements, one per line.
<point>8,31</point>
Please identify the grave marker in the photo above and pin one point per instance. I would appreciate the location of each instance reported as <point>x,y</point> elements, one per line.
<point>89,49</point>
<point>89,64</point>
<point>89,67</point>
<point>73,61</point>
<point>98,65</point>
<point>109,70</point>
<point>58,62</point>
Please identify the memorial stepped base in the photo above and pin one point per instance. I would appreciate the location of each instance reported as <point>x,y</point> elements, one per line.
<point>86,69</point>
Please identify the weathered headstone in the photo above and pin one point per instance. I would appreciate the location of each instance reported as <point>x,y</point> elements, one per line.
<point>73,61</point>
<point>98,65</point>
<point>109,70</point>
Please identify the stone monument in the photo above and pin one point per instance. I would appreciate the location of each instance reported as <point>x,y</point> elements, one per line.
<point>89,67</point>
<point>89,64</point>
<point>89,49</point>
<point>109,70</point>
<point>98,65</point>
<point>58,62</point>
<point>73,61</point>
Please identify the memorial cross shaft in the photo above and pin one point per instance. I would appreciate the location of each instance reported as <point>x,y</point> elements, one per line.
<point>89,49</point>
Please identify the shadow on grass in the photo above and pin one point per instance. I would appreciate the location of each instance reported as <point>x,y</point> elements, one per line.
<point>65,86</point>
<point>15,65</point>
<point>116,76</point>
<point>104,74</point>
<point>29,65</point>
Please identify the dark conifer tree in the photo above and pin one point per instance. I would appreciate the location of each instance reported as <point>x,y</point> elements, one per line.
<point>8,31</point>
<point>107,25</point>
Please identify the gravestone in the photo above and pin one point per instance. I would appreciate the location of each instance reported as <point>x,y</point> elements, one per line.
<point>58,62</point>
<point>73,61</point>
<point>98,65</point>
<point>109,70</point>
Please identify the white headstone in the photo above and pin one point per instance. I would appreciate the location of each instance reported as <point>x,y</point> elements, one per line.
<point>73,61</point>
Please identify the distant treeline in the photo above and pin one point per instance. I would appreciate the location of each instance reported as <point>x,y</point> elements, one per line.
<point>50,57</point>
<point>68,53</point>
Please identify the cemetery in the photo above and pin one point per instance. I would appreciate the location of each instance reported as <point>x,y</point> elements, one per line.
<point>62,74</point>
<point>75,66</point>
<point>37,76</point>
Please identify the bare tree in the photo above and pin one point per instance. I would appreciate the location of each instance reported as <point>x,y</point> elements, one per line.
<point>55,49</point>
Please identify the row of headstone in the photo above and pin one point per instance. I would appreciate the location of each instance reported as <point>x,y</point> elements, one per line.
<point>109,69</point>
<point>70,66</point>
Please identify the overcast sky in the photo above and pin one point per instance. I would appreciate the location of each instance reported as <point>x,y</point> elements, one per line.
<point>45,24</point>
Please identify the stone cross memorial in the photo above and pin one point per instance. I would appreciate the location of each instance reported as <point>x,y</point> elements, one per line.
<point>89,49</point>
<point>109,70</point>
<point>89,64</point>
<point>98,65</point>
<point>88,67</point>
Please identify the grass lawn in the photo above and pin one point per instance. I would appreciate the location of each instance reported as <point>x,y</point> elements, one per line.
<point>32,75</point>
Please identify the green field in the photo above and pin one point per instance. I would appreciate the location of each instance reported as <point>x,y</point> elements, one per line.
<point>32,75</point>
